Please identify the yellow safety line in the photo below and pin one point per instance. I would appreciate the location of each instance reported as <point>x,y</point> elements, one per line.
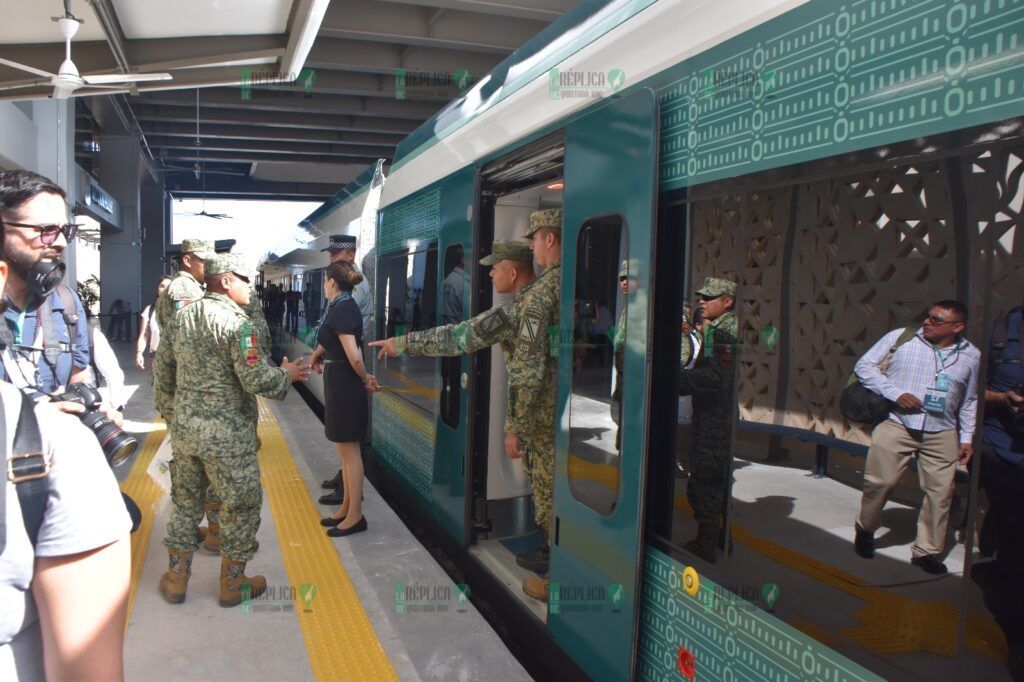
<point>340,639</point>
<point>140,487</point>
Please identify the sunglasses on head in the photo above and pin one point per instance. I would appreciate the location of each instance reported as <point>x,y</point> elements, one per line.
<point>48,233</point>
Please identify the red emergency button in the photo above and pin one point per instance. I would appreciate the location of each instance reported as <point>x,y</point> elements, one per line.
<point>687,663</point>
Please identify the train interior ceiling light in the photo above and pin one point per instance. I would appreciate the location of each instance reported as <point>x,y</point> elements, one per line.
<point>67,81</point>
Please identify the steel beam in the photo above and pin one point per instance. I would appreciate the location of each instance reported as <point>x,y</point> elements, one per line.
<point>536,10</point>
<point>267,119</point>
<point>382,58</point>
<point>233,132</point>
<point>160,144</point>
<point>175,156</point>
<point>246,188</point>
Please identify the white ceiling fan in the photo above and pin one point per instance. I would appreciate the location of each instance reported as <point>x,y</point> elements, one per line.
<point>67,79</point>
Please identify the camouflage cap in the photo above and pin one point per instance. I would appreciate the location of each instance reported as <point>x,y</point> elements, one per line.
<point>550,217</point>
<point>714,287</point>
<point>508,249</point>
<point>624,269</point>
<point>220,263</point>
<point>200,247</point>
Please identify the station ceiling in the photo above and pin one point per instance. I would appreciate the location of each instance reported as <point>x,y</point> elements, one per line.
<point>262,135</point>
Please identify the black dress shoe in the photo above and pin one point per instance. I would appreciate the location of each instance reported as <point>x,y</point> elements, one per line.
<point>359,527</point>
<point>537,561</point>
<point>864,542</point>
<point>330,522</point>
<point>332,483</point>
<point>337,497</point>
<point>930,563</point>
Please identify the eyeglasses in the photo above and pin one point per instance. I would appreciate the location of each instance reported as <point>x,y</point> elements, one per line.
<point>936,320</point>
<point>48,233</point>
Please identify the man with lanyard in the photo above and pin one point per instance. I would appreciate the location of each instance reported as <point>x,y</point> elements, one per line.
<point>47,344</point>
<point>933,381</point>
<point>343,247</point>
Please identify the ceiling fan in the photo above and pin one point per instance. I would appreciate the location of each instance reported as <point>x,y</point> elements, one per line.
<point>67,79</point>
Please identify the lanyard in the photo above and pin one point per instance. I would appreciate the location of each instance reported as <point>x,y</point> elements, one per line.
<point>19,326</point>
<point>330,306</point>
<point>941,359</point>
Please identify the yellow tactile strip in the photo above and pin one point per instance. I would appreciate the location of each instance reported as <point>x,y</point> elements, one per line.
<point>146,493</point>
<point>340,639</point>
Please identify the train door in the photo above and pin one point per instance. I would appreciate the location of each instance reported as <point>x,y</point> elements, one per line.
<point>453,305</point>
<point>609,218</point>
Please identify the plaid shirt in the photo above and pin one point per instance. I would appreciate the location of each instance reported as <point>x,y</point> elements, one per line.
<point>913,369</point>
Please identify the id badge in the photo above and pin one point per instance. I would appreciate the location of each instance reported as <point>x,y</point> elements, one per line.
<point>934,401</point>
<point>942,382</point>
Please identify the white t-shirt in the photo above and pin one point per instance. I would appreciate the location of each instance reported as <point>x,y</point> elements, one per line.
<point>84,511</point>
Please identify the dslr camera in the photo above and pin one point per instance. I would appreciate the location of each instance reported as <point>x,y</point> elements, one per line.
<point>117,445</point>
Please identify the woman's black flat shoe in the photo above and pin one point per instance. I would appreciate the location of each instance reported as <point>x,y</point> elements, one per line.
<point>360,526</point>
<point>331,523</point>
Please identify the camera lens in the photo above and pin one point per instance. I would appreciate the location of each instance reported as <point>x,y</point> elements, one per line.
<point>117,445</point>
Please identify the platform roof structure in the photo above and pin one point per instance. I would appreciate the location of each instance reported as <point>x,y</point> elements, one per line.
<point>294,98</point>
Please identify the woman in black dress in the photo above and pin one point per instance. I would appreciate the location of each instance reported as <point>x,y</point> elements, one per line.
<point>339,357</point>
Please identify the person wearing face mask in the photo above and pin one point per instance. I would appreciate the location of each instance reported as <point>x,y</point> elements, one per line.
<point>65,561</point>
<point>46,333</point>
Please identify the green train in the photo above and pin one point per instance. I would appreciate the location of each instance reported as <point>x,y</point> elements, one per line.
<point>846,163</point>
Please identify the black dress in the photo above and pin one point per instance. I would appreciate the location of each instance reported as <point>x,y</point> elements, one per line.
<point>346,403</point>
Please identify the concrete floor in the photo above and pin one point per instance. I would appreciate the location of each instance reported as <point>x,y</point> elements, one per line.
<point>201,639</point>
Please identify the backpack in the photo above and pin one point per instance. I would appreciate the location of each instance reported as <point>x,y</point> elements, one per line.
<point>29,470</point>
<point>860,404</point>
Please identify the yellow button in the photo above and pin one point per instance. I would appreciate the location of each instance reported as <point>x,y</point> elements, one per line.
<point>691,581</point>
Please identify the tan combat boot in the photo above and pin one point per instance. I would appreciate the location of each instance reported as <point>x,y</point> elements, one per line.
<point>211,543</point>
<point>174,583</point>
<point>233,581</point>
<point>537,588</point>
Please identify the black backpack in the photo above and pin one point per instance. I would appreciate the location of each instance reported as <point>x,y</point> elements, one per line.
<point>862,405</point>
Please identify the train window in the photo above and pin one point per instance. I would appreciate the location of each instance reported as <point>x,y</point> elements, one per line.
<point>407,302</point>
<point>453,310</point>
<point>599,342</point>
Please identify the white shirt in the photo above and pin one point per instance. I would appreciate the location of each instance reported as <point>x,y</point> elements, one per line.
<point>106,362</point>
<point>914,369</point>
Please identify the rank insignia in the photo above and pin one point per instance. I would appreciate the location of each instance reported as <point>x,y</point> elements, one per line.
<point>252,357</point>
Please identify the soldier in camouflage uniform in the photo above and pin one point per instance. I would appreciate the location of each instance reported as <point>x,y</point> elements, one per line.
<point>711,382</point>
<point>187,287</point>
<point>533,376</point>
<point>210,368</point>
<point>619,353</point>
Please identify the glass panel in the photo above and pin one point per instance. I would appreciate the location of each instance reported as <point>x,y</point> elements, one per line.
<point>453,310</point>
<point>599,338</point>
<point>406,302</point>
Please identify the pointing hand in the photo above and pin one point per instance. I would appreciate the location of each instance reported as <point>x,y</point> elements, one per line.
<point>388,347</point>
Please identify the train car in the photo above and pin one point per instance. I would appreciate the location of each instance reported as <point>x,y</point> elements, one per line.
<point>846,164</point>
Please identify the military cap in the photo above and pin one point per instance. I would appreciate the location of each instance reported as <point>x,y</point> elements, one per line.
<point>508,249</point>
<point>714,287</point>
<point>549,217</point>
<point>200,247</point>
<point>624,269</point>
<point>227,262</point>
<point>340,242</point>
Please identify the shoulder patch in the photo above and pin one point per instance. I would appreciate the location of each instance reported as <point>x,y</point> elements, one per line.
<point>247,338</point>
<point>178,305</point>
<point>252,357</point>
<point>493,320</point>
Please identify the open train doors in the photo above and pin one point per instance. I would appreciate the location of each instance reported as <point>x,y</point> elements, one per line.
<point>611,158</point>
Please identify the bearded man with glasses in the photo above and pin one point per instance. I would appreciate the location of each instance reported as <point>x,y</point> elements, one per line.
<point>932,381</point>
<point>46,336</point>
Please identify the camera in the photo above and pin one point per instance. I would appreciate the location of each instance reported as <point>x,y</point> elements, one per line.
<point>117,445</point>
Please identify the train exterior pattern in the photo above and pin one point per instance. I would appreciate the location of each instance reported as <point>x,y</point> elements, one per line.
<point>748,642</point>
<point>828,78</point>
<point>820,80</point>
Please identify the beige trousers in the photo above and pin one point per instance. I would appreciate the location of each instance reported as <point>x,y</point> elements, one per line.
<point>892,446</point>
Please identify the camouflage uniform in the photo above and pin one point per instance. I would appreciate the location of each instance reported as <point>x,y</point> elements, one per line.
<point>211,367</point>
<point>711,382</point>
<point>619,359</point>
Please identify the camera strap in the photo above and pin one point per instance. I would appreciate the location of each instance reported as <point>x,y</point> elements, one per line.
<point>28,468</point>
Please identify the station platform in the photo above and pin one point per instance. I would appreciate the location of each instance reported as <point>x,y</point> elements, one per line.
<point>374,606</point>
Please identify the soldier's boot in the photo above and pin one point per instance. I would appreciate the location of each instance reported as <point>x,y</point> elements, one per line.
<point>537,588</point>
<point>539,559</point>
<point>234,584</point>
<point>211,543</point>
<point>174,583</point>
